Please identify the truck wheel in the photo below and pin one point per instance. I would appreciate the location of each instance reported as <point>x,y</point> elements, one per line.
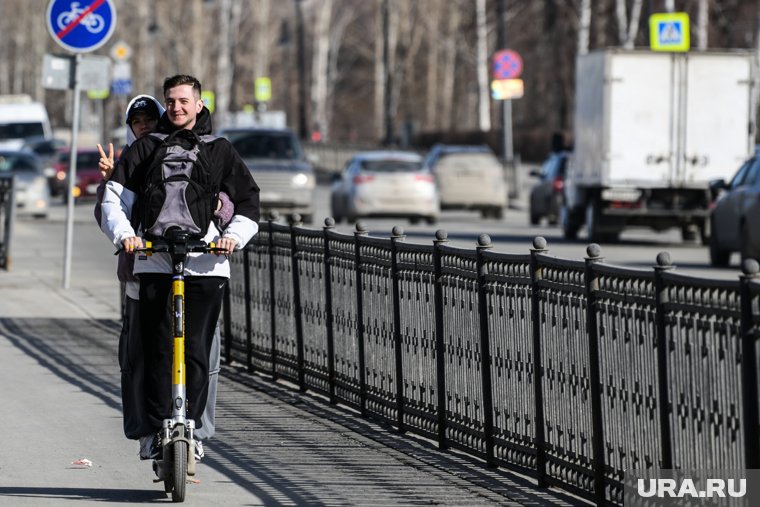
<point>593,230</point>
<point>570,225</point>
<point>705,228</point>
<point>718,257</point>
<point>688,232</point>
<point>535,218</point>
<point>746,246</point>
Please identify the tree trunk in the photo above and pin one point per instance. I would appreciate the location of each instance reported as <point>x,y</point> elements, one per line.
<point>702,22</point>
<point>584,26</point>
<point>321,44</point>
<point>431,105</point>
<point>484,104</point>
<point>223,68</point>
<point>449,58</point>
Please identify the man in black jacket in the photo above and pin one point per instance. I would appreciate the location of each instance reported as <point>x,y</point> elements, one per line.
<point>206,275</point>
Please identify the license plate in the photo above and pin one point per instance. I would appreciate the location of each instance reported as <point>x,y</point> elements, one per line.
<point>270,196</point>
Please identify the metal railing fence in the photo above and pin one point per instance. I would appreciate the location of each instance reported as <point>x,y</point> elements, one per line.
<point>7,217</point>
<point>569,371</point>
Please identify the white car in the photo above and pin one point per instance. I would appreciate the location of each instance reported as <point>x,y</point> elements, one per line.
<point>469,177</point>
<point>385,184</point>
<point>31,187</point>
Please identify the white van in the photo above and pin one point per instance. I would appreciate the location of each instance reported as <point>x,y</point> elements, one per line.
<point>21,118</point>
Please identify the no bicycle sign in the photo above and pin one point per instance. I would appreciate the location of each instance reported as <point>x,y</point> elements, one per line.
<point>81,26</point>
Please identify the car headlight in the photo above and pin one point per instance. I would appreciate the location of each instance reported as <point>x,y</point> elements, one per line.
<point>301,179</point>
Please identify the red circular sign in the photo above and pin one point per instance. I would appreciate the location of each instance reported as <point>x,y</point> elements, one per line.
<point>506,64</point>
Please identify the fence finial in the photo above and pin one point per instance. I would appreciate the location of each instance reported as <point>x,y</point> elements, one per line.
<point>750,267</point>
<point>441,235</point>
<point>484,240</point>
<point>539,243</point>
<point>329,222</point>
<point>663,260</point>
<point>594,251</point>
<point>397,231</point>
<point>274,215</point>
<point>295,219</point>
<point>361,227</point>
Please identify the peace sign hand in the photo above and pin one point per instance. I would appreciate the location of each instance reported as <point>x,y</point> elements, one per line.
<point>105,164</point>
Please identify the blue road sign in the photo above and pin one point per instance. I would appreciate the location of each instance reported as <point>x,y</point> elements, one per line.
<point>81,26</point>
<point>121,86</point>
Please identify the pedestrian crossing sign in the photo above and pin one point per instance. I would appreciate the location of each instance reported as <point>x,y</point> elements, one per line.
<point>669,31</point>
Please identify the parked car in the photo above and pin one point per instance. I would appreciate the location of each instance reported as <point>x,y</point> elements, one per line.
<point>47,148</point>
<point>735,214</point>
<point>385,184</point>
<point>88,175</point>
<point>31,189</point>
<point>278,164</point>
<point>547,195</point>
<point>468,177</point>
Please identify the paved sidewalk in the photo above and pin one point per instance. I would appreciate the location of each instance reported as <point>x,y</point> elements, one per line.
<point>274,446</point>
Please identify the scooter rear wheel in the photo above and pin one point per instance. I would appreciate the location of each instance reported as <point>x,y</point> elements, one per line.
<point>179,477</point>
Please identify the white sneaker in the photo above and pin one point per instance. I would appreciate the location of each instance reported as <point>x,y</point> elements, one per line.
<point>199,450</point>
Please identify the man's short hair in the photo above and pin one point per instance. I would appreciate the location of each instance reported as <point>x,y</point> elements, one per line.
<point>183,79</point>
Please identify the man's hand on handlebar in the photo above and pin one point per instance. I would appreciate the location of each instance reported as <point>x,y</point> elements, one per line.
<point>227,243</point>
<point>130,244</point>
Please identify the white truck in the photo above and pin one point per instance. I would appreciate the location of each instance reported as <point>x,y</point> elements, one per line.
<point>651,131</point>
<point>20,119</point>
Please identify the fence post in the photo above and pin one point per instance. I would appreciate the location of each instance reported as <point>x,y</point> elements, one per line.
<point>484,243</point>
<point>597,442</point>
<point>441,238</point>
<point>329,225</point>
<point>361,230</point>
<point>273,215</point>
<point>397,234</point>
<point>536,273</point>
<point>248,316</point>
<point>661,299</point>
<point>750,421</point>
<point>295,221</point>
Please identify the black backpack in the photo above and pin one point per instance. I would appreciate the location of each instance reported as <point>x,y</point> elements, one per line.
<point>178,190</point>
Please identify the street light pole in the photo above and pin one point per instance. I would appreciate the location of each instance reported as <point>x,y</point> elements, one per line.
<point>387,78</point>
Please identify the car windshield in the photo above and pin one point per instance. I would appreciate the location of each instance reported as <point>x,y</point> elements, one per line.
<point>268,145</point>
<point>390,166</point>
<point>20,130</point>
<point>86,159</point>
<point>16,163</point>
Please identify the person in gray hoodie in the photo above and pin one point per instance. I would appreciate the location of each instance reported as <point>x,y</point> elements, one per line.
<point>142,115</point>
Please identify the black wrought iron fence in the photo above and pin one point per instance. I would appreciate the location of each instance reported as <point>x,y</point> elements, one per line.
<point>7,214</point>
<point>570,371</point>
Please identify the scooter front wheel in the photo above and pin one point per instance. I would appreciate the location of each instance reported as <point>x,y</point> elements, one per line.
<point>179,477</point>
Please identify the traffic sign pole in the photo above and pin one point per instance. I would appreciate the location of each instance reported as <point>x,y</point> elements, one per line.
<point>72,177</point>
<point>79,27</point>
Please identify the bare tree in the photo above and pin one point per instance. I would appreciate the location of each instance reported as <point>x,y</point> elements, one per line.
<point>702,20</point>
<point>584,26</point>
<point>627,31</point>
<point>484,106</point>
<point>320,66</point>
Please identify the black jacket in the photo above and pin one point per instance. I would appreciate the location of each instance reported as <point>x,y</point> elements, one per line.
<point>234,177</point>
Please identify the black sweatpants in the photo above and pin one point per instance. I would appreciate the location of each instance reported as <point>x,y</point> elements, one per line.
<point>203,302</point>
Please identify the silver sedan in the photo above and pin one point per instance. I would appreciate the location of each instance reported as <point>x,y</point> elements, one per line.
<point>31,187</point>
<point>385,184</point>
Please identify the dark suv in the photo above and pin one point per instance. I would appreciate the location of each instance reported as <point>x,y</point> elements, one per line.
<point>278,164</point>
<point>547,195</point>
